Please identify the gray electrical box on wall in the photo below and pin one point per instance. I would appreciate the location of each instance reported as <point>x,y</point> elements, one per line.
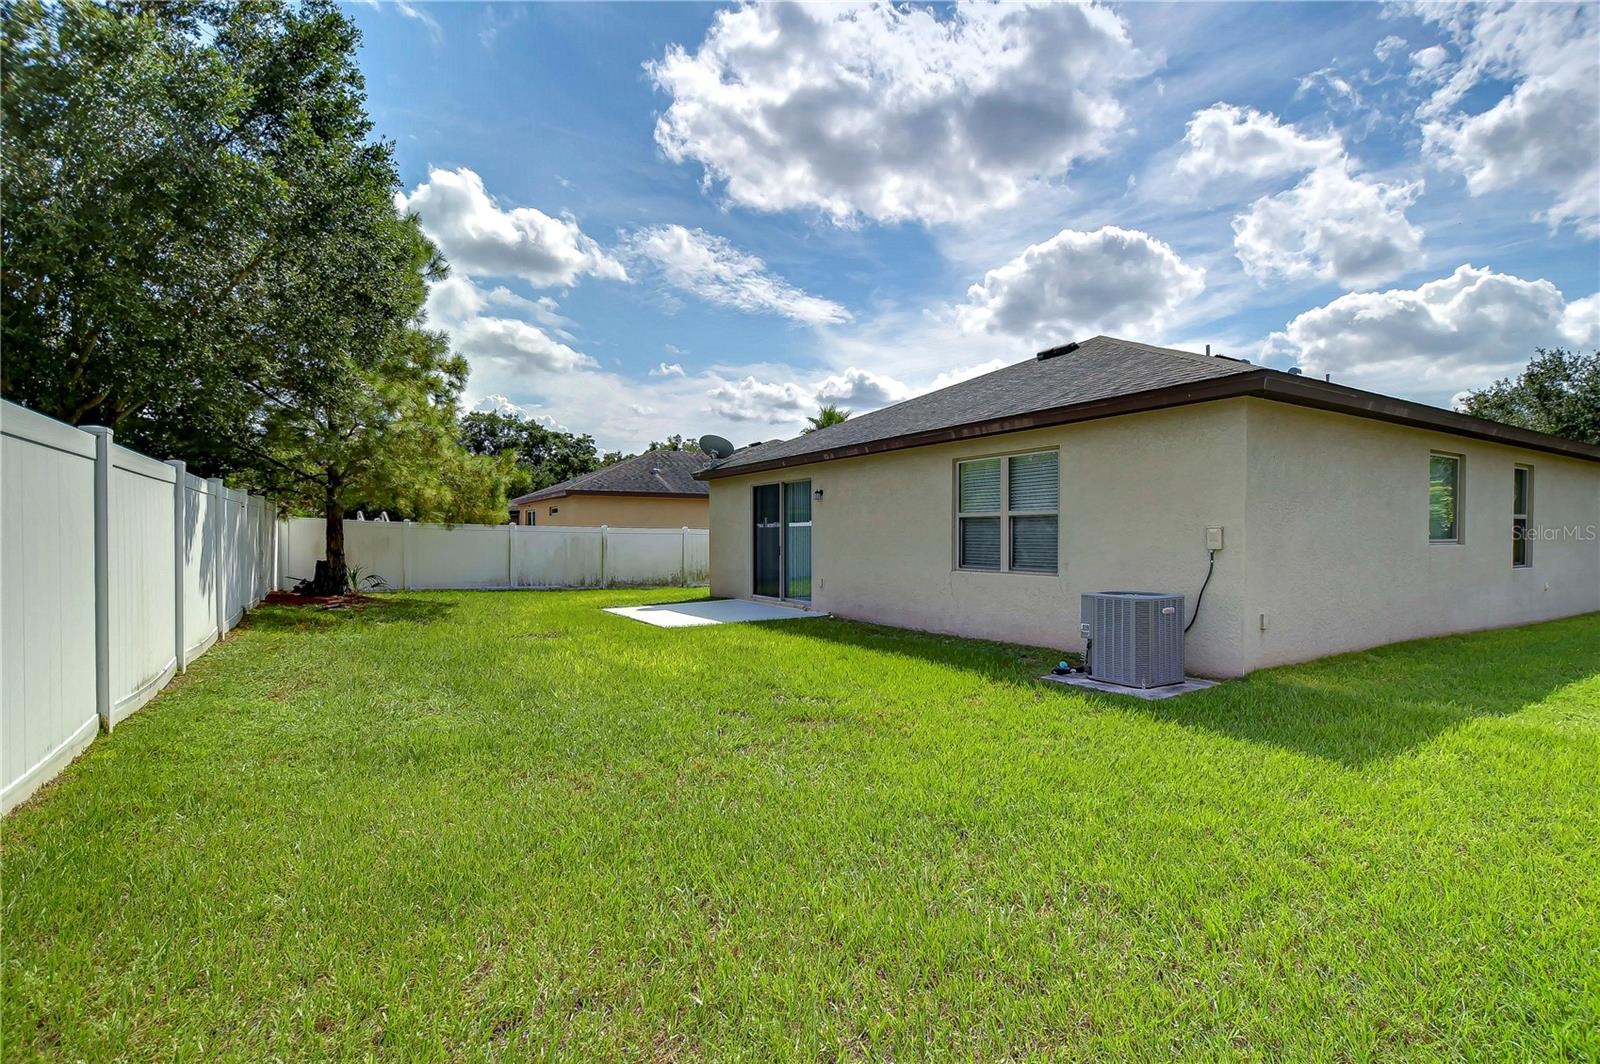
<point>1137,637</point>
<point>1213,539</point>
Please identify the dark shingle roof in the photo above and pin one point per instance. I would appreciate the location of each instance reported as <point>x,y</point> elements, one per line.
<point>1100,368</point>
<point>1105,377</point>
<point>651,473</point>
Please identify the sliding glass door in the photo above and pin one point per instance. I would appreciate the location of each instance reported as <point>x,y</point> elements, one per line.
<point>769,540</point>
<point>782,515</point>
<point>797,540</point>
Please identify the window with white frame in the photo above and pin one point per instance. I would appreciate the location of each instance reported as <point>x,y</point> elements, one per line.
<point>1007,513</point>
<point>1444,498</point>
<point>1521,513</point>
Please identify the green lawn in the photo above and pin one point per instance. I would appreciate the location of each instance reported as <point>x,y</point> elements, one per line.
<point>466,825</point>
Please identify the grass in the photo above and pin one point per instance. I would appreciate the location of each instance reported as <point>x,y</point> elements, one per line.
<point>478,825</point>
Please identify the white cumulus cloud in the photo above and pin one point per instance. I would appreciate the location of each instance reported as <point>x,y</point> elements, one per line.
<point>490,340</point>
<point>1461,331</point>
<point>1334,225</point>
<point>667,369</point>
<point>1227,140</point>
<point>894,112</point>
<point>499,404</point>
<point>1389,47</point>
<point>480,237</point>
<point>1543,135</point>
<point>515,345</point>
<point>1077,284</point>
<point>777,402</point>
<point>709,267</point>
<point>1430,63</point>
<point>861,389</point>
<point>966,373</point>
<point>754,400</point>
<point>1580,325</point>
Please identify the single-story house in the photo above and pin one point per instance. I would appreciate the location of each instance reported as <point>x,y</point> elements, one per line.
<point>656,489</point>
<point>1329,518</point>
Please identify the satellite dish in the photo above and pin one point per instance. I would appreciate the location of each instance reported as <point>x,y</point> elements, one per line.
<point>716,447</point>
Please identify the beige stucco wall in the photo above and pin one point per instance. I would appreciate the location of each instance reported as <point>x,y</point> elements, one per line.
<point>621,511</point>
<point>1137,494</point>
<point>1339,551</point>
<point>1325,531</point>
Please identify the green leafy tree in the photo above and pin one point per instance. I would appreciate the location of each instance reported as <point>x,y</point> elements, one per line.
<point>542,456</point>
<point>453,487</point>
<point>1558,393</point>
<point>360,403</point>
<point>675,442</point>
<point>143,166</point>
<point>201,250</point>
<point>827,415</point>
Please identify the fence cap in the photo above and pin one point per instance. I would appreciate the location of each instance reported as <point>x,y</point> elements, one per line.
<point>20,423</point>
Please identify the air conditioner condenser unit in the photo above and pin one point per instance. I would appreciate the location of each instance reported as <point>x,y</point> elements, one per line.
<point>1135,637</point>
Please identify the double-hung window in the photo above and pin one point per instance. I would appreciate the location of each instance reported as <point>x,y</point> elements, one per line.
<point>1521,512</point>
<point>1007,513</point>
<point>1444,498</point>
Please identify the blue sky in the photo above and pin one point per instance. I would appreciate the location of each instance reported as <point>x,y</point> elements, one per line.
<point>702,218</point>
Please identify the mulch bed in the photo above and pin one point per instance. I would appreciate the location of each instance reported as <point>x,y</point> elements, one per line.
<point>321,602</point>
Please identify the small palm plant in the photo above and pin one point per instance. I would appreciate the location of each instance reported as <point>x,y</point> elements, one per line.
<point>828,415</point>
<point>361,580</point>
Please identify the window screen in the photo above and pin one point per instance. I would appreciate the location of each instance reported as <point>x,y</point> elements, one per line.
<point>1444,498</point>
<point>1521,512</point>
<point>978,492</point>
<point>980,486</point>
<point>980,543</point>
<point>1034,481</point>
<point>1033,543</point>
<point>1018,532</point>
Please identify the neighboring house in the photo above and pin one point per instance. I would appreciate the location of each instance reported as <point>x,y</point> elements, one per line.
<point>1347,518</point>
<point>656,489</point>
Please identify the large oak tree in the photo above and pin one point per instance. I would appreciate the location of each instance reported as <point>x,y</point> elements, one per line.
<point>1558,392</point>
<point>202,251</point>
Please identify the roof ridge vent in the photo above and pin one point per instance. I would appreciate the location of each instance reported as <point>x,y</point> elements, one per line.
<point>1052,352</point>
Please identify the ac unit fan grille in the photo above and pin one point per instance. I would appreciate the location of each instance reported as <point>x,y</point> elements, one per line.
<point>1137,637</point>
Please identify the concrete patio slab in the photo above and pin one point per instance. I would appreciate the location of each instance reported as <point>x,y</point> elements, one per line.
<point>717,611</point>
<point>1171,690</point>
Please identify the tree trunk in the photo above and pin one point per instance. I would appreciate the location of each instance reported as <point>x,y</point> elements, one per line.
<point>333,574</point>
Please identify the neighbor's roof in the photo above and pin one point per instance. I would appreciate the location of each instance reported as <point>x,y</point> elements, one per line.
<point>1103,377</point>
<point>669,473</point>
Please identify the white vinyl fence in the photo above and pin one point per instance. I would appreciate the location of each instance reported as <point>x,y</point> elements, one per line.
<point>403,554</point>
<point>116,571</point>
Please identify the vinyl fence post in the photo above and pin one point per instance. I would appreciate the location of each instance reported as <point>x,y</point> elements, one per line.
<point>605,533</point>
<point>280,536</point>
<point>180,516</point>
<point>511,550</point>
<point>405,556</point>
<point>102,573</point>
<point>218,506</point>
<point>683,563</point>
<point>275,567</point>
